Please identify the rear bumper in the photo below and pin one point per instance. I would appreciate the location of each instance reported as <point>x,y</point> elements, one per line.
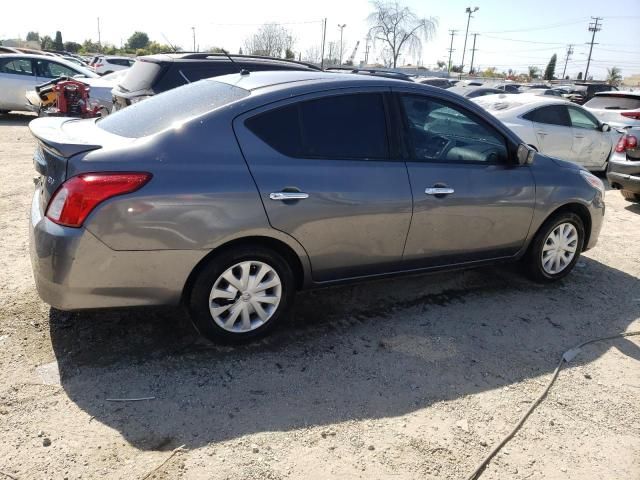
<point>624,175</point>
<point>74,270</point>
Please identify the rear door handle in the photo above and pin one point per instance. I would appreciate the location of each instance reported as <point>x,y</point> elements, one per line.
<point>540,132</point>
<point>288,195</point>
<point>439,191</point>
<point>579,136</point>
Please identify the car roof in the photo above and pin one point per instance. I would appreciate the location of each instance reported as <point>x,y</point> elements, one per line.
<point>516,102</point>
<point>625,93</point>
<point>207,57</point>
<point>282,78</point>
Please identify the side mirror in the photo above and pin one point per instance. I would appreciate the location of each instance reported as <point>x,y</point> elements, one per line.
<point>605,127</point>
<point>525,154</point>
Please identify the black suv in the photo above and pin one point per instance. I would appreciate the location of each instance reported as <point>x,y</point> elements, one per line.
<point>583,92</point>
<point>153,74</point>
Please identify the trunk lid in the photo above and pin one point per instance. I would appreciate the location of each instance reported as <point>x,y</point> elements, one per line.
<point>59,139</point>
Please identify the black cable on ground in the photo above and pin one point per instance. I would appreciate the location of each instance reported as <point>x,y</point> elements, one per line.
<point>566,357</point>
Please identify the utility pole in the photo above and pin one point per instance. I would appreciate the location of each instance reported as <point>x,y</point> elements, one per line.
<point>452,33</point>
<point>99,42</point>
<point>341,27</point>
<point>566,60</point>
<point>193,29</point>
<point>469,12</point>
<point>324,39</point>
<point>473,51</point>
<point>593,27</point>
<point>366,49</point>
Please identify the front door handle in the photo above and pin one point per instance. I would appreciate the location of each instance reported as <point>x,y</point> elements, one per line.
<point>579,136</point>
<point>439,191</point>
<point>542,133</point>
<point>288,195</point>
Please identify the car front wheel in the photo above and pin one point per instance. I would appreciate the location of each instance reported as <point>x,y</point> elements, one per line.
<point>241,294</point>
<point>556,247</point>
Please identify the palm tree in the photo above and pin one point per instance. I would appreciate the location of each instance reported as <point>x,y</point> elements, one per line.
<point>614,76</point>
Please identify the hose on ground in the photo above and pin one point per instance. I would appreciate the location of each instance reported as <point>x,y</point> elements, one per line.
<point>566,358</point>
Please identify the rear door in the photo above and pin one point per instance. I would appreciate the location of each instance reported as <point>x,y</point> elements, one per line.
<point>47,69</point>
<point>470,202</point>
<point>323,168</point>
<point>552,126</point>
<point>591,147</point>
<point>16,77</point>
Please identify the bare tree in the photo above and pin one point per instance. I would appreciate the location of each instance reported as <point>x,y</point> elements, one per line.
<point>312,54</point>
<point>397,27</point>
<point>271,40</point>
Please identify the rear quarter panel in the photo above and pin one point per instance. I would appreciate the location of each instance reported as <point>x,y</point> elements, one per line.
<point>201,192</point>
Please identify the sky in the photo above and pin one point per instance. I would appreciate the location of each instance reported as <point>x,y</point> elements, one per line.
<point>511,34</point>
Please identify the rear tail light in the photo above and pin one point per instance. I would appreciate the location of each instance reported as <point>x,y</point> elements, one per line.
<point>634,115</point>
<point>626,142</point>
<point>77,197</point>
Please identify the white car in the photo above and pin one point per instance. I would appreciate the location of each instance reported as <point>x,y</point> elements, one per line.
<point>22,72</point>
<point>104,65</point>
<point>617,108</point>
<point>555,127</point>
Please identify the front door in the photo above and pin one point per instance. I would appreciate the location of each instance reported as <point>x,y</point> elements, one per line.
<point>552,127</point>
<point>324,172</point>
<point>470,202</point>
<point>591,147</point>
<point>17,76</point>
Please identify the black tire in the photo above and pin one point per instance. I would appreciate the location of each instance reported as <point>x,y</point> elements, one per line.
<point>630,196</point>
<point>533,258</point>
<point>198,298</point>
<point>4,112</point>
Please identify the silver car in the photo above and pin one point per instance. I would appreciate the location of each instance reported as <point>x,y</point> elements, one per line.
<point>20,73</point>
<point>229,195</point>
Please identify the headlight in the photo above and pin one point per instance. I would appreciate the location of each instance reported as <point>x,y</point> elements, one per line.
<point>592,180</point>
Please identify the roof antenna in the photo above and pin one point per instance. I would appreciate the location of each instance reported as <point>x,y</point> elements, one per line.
<point>242,71</point>
<point>170,44</point>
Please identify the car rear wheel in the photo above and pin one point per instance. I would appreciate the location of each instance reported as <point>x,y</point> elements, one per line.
<point>556,247</point>
<point>241,294</point>
<point>632,197</point>
<point>3,112</point>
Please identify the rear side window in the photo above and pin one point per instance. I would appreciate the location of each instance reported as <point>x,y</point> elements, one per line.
<point>550,115</point>
<point>338,127</point>
<point>614,102</point>
<point>17,66</point>
<point>169,108</point>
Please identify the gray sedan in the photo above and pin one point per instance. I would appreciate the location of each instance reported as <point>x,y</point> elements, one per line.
<point>229,195</point>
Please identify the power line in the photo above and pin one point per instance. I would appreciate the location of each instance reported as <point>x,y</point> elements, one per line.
<point>523,41</point>
<point>593,27</point>
<point>544,27</point>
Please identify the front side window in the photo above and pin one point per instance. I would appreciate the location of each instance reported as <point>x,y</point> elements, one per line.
<point>17,66</point>
<point>47,69</point>
<point>581,119</point>
<point>338,127</point>
<point>443,132</point>
<point>550,115</point>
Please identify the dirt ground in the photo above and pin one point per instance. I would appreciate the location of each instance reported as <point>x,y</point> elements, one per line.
<point>413,378</point>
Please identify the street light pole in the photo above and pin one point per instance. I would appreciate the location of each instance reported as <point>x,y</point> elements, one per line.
<point>464,50</point>
<point>341,27</point>
<point>194,38</point>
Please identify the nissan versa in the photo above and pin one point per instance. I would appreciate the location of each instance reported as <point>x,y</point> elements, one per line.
<point>228,195</point>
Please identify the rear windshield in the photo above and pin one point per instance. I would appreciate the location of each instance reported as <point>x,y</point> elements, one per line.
<point>172,107</point>
<point>614,102</point>
<point>140,76</point>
